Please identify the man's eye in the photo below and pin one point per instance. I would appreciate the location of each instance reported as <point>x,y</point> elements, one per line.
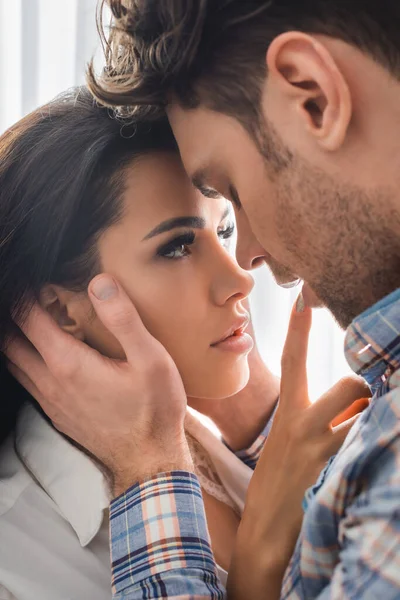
<point>178,247</point>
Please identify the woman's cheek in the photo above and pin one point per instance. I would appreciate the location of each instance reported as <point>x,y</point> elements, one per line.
<point>159,317</point>
<point>170,303</point>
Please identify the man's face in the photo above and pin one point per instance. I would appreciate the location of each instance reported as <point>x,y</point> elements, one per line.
<point>212,147</point>
<point>308,224</point>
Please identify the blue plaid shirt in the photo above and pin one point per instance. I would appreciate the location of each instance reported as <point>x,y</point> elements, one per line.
<point>349,545</point>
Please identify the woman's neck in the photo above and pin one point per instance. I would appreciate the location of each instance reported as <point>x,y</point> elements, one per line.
<point>242,417</point>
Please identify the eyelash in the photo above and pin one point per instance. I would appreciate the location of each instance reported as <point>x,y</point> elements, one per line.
<point>188,239</point>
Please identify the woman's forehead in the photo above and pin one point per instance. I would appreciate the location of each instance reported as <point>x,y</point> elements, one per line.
<point>157,186</point>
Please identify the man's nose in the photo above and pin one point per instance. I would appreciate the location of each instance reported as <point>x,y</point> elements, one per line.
<point>250,257</point>
<point>249,252</point>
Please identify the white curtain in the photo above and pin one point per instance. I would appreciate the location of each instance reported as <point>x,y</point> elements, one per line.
<point>44,48</point>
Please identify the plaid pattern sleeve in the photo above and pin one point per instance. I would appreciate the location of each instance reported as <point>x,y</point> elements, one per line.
<point>160,546</point>
<point>251,454</point>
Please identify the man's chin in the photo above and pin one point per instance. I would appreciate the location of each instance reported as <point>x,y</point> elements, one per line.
<point>310,297</point>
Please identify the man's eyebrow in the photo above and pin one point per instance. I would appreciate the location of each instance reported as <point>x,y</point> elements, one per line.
<point>235,197</point>
<point>193,222</point>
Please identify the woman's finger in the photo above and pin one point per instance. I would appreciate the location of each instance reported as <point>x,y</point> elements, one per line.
<point>117,312</point>
<point>339,434</point>
<point>294,386</point>
<point>356,408</point>
<point>336,400</point>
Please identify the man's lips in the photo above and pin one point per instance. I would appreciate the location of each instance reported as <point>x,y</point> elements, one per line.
<point>236,329</point>
<point>289,284</point>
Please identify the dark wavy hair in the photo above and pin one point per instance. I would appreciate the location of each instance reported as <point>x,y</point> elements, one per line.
<point>61,185</point>
<point>212,52</point>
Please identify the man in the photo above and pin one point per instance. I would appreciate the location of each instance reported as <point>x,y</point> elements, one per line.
<point>291,109</point>
<point>61,372</point>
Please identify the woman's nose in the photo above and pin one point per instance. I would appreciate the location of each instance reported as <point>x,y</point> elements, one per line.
<point>231,282</point>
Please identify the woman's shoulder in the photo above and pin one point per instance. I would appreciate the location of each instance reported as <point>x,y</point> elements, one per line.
<point>14,478</point>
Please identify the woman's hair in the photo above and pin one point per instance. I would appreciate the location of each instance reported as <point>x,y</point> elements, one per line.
<point>61,185</point>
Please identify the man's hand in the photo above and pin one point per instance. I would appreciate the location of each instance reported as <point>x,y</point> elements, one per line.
<point>129,414</point>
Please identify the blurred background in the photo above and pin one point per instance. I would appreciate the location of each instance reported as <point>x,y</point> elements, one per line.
<point>45,46</point>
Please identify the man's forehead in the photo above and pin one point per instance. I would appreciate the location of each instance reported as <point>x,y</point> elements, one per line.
<point>189,118</point>
<point>198,137</point>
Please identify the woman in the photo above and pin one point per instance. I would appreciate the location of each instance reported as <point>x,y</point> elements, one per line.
<point>80,193</point>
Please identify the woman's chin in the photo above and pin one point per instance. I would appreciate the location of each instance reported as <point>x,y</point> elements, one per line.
<point>219,387</point>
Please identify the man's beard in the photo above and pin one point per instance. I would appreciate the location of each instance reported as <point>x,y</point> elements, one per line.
<point>349,246</point>
<point>342,240</point>
<point>282,275</point>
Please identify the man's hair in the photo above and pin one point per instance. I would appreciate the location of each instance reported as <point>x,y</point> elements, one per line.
<point>212,52</point>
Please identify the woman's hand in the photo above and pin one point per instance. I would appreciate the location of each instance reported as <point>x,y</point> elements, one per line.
<point>300,443</point>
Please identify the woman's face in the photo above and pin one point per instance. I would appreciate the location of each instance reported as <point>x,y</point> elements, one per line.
<point>173,254</point>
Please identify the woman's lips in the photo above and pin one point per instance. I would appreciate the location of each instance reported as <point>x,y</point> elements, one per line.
<point>236,339</point>
<point>241,343</point>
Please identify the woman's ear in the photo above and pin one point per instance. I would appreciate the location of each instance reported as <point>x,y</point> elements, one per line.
<point>69,309</point>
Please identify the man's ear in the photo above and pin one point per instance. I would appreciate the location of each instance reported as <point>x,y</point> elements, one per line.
<point>66,307</point>
<point>305,87</point>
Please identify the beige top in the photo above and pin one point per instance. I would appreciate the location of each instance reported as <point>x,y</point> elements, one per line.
<point>54,510</point>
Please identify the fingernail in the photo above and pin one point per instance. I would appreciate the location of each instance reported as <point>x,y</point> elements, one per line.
<point>104,288</point>
<point>300,306</point>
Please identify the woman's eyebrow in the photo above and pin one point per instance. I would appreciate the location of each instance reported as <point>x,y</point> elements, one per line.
<point>193,222</point>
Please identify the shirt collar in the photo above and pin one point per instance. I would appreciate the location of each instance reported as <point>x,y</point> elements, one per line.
<point>372,343</point>
<point>66,474</point>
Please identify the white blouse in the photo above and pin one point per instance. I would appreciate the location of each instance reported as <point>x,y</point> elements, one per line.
<point>54,534</point>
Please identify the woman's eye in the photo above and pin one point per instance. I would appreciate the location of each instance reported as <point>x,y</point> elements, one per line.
<point>177,248</point>
<point>177,252</point>
<point>226,233</point>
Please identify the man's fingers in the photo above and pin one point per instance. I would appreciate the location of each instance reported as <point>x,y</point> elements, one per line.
<point>61,352</point>
<point>24,356</point>
<point>28,367</point>
<point>26,382</point>
<point>54,345</point>
<point>294,387</point>
<point>336,400</point>
<point>117,312</point>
